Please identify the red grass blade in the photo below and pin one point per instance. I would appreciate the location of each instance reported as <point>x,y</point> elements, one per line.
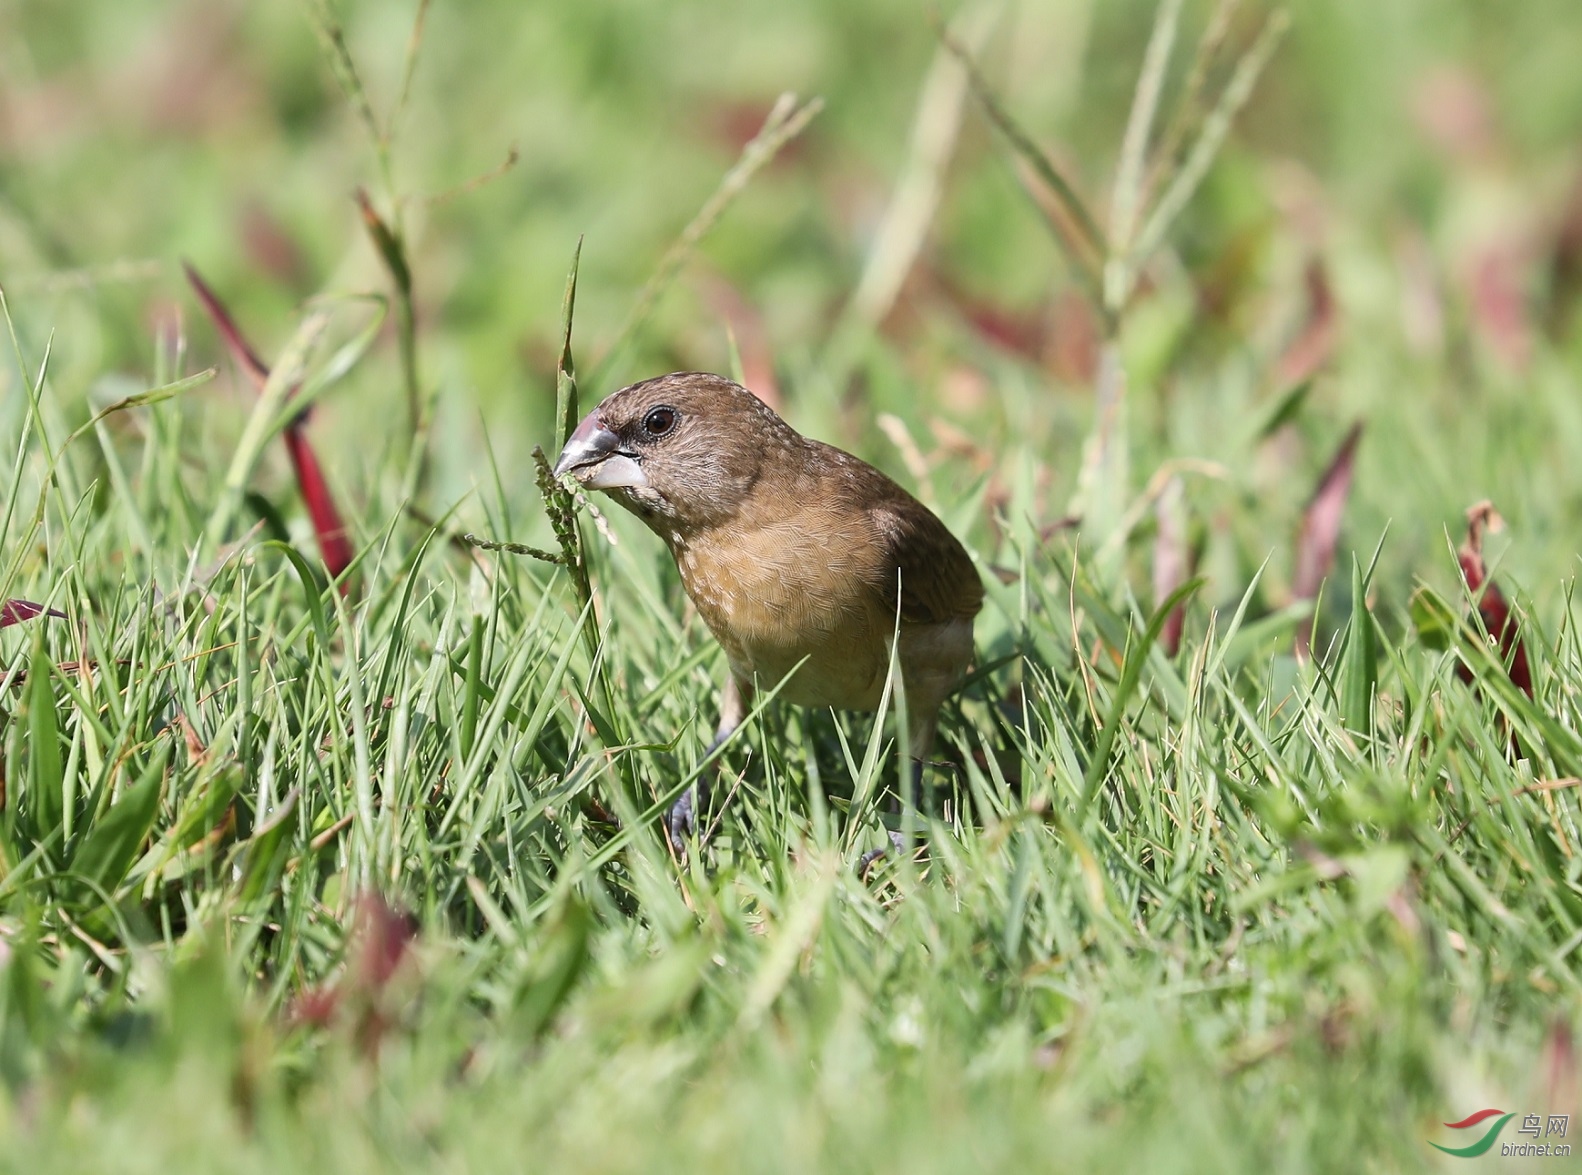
<point>334,546</point>
<point>385,935</point>
<point>328,527</point>
<point>391,251</point>
<point>1320,531</point>
<point>230,334</point>
<point>16,611</point>
<point>1312,347</point>
<point>1493,607</point>
<point>380,942</point>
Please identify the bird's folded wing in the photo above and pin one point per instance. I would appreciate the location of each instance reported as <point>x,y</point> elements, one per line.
<point>938,581</point>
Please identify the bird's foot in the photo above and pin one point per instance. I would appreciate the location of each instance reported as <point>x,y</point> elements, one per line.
<point>681,822</point>
<point>897,846</point>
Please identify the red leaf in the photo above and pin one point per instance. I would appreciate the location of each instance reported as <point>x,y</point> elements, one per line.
<point>391,251</point>
<point>230,334</point>
<point>1320,531</point>
<point>16,611</point>
<point>380,942</point>
<point>334,547</point>
<point>316,1006</point>
<point>384,935</point>
<point>329,529</point>
<point>1493,608</point>
<point>1020,334</point>
<point>1311,349</point>
<point>1062,335</point>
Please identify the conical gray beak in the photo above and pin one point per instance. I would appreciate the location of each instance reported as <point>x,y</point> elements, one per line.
<point>593,456</point>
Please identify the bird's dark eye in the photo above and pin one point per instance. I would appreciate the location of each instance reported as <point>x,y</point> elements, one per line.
<point>660,421</point>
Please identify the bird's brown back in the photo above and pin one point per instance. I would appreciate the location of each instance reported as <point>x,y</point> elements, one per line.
<point>924,567</point>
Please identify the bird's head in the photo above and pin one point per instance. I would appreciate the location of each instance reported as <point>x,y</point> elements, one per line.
<point>681,451</point>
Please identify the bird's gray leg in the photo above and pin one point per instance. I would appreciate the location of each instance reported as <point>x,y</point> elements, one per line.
<point>920,743</point>
<point>920,740</point>
<point>681,821</point>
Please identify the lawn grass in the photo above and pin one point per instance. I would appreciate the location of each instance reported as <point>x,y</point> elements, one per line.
<point>368,873</point>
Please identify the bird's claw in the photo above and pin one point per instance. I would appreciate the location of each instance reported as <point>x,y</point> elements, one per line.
<point>681,822</point>
<point>897,845</point>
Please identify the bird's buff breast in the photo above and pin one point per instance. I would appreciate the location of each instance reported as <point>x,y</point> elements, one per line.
<point>779,594</point>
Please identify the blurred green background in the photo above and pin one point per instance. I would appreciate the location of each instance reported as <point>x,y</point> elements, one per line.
<point>1424,155</point>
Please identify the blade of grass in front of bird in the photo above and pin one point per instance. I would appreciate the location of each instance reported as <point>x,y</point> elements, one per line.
<point>865,776</point>
<point>618,844</point>
<point>567,410</point>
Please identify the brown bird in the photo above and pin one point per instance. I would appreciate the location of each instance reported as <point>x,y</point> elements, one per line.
<point>800,558</point>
